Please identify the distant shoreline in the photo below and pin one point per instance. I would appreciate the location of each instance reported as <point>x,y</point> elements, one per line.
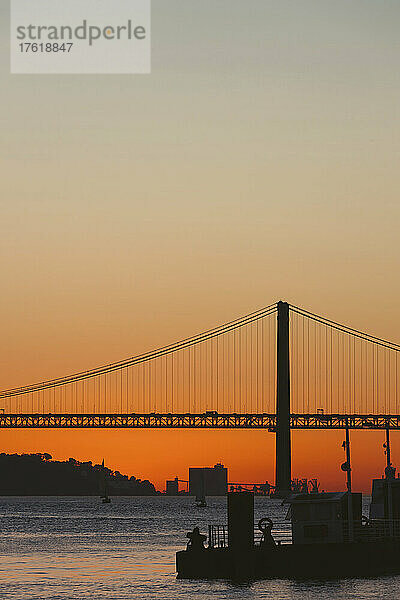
<point>39,475</point>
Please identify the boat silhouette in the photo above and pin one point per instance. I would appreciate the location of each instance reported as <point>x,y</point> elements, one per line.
<point>105,499</point>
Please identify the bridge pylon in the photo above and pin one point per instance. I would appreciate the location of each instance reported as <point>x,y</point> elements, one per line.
<point>283,458</point>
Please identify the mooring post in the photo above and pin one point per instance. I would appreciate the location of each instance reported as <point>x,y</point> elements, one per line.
<point>283,459</point>
<point>241,533</point>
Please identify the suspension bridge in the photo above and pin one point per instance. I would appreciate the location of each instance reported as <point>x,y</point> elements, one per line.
<point>277,369</point>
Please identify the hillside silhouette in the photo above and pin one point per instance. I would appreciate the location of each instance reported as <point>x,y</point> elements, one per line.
<point>40,475</point>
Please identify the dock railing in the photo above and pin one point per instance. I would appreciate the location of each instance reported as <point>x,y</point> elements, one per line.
<point>374,530</point>
<point>218,534</point>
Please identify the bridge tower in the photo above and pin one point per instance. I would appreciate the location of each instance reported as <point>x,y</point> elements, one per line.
<point>283,468</point>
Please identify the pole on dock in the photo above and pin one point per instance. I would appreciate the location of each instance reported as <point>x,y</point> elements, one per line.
<point>389,472</point>
<point>387,446</point>
<point>283,467</point>
<point>346,466</point>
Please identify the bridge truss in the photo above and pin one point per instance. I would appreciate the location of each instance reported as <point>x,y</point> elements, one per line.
<point>195,421</point>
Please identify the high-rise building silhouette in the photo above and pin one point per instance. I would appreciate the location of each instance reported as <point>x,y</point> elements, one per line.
<point>208,481</point>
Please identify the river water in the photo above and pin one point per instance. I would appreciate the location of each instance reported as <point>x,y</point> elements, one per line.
<point>60,548</point>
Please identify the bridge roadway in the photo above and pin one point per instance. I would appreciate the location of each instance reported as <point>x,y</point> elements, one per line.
<point>208,420</point>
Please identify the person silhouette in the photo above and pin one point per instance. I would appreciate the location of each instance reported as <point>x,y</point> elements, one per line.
<point>196,540</point>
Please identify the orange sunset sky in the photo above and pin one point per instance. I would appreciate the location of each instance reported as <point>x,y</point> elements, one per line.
<point>258,162</point>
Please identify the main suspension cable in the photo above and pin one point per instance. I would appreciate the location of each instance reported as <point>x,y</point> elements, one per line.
<point>345,329</point>
<point>153,354</point>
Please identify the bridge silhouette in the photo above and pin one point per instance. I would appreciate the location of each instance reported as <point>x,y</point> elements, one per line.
<point>279,368</point>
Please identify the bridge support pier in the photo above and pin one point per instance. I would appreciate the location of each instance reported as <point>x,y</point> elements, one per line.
<point>283,458</point>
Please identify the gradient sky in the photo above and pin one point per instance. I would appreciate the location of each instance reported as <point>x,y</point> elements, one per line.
<point>259,161</point>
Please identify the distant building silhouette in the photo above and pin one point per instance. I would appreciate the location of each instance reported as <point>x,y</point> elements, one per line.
<point>172,487</point>
<point>208,481</point>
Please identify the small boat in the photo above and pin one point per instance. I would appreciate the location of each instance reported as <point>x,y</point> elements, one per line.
<point>201,502</point>
<point>201,496</point>
<point>105,499</point>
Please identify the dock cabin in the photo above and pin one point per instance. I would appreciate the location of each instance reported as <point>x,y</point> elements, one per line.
<point>322,518</point>
<point>385,502</point>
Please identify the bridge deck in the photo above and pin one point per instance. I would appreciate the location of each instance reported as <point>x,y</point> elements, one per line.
<point>195,421</point>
